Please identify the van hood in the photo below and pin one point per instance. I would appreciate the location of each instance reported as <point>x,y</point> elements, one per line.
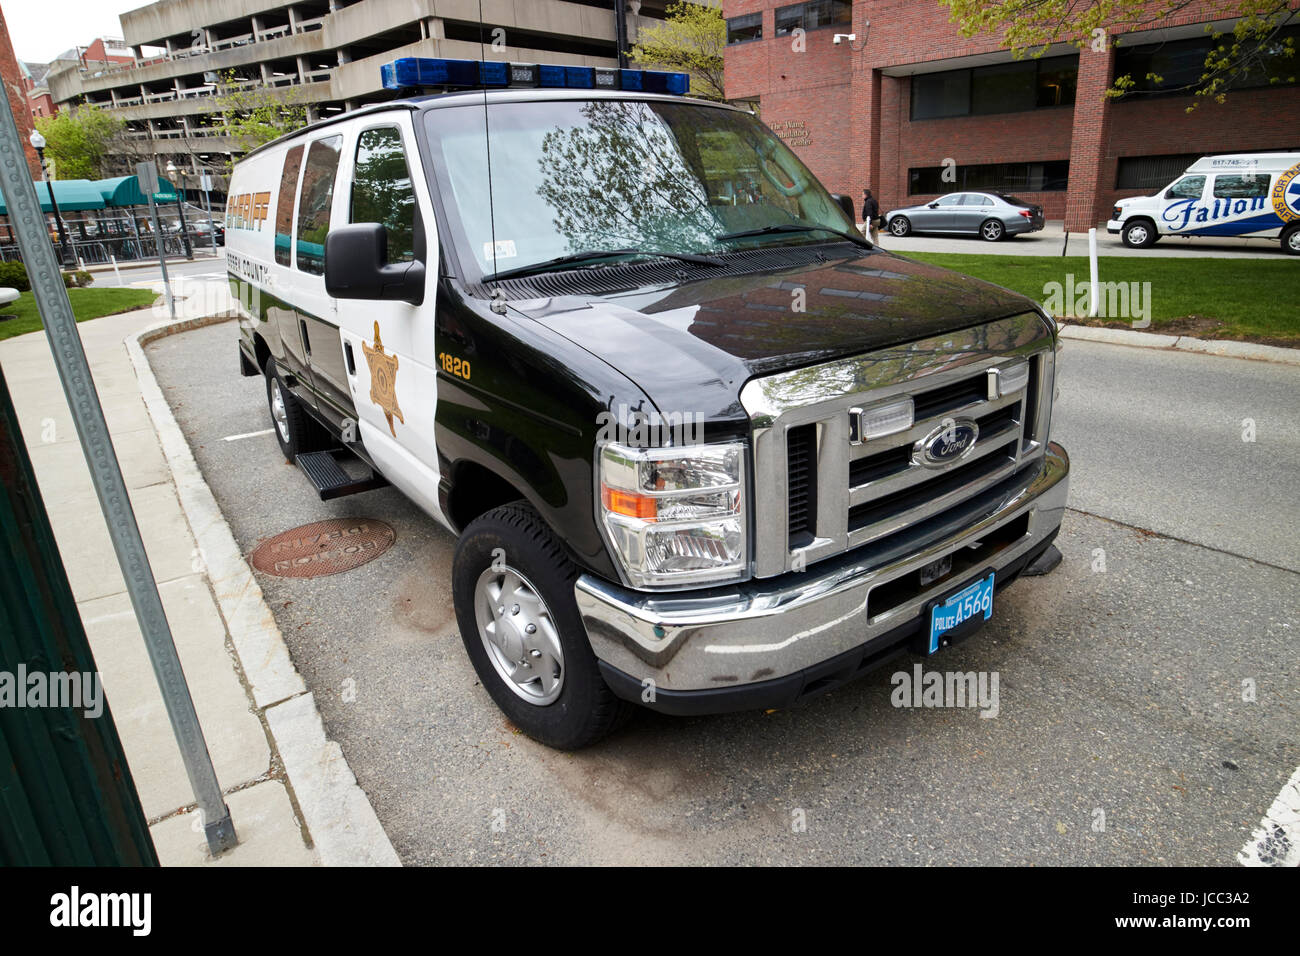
<point>692,346</point>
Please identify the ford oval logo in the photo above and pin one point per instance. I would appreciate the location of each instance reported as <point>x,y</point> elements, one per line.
<point>951,441</point>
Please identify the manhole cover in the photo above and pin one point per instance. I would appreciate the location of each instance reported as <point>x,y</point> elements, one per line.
<point>323,547</point>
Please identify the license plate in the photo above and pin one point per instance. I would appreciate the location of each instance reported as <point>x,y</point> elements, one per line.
<point>973,601</point>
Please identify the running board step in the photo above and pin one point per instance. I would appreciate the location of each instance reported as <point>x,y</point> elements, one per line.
<point>330,480</point>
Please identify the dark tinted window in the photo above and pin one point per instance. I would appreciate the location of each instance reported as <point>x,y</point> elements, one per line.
<point>284,206</point>
<point>1179,64</point>
<point>382,192</point>
<point>1151,172</point>
<point>748,27</point>
<point>317,196</point>
<point>1001,88</point>
<point>1189,187</point>
<point>812,15</point>
<point>1241,186</point>
<point>1051,176</point>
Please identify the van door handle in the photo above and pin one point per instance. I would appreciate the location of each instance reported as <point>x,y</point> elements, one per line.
<point>306,340</point>
<point>352,362</point>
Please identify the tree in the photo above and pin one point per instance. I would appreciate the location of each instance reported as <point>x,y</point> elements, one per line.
<point>1259,48</point>
<point>253,114</point>
<point>690,40</point>
<point>82,143</point>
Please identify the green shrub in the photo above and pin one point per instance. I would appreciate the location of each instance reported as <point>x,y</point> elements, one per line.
<point>78,279</point>
<point>13,275</point>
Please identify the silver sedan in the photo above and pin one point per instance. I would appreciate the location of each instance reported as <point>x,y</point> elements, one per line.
<point>992,216</point>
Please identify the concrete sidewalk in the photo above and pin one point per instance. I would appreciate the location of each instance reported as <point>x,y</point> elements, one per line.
<point>292,798</point>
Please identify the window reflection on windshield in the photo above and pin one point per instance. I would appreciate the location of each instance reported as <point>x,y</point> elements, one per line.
<point>576,176</point>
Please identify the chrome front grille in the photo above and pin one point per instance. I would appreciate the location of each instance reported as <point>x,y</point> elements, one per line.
<point>819,492</point>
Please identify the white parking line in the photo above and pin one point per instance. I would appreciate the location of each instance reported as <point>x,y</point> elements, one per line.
<point>264,431</point>
<point>1276,841</point>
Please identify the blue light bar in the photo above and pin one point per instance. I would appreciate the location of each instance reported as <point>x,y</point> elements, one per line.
<point>413,72</point>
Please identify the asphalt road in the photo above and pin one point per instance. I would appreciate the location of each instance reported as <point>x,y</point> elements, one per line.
<point>1120,674</point>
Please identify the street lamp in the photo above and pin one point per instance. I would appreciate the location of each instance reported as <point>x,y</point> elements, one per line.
<point>38,144</point>
<point>180,208</point>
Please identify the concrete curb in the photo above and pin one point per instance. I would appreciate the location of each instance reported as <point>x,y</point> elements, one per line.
<point>338,815</point>
<point>1182,343</point>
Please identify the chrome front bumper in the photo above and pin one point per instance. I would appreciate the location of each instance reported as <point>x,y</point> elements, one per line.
<point>766,630</point>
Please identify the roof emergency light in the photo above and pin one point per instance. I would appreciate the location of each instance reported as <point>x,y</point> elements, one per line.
<point>409,72</point>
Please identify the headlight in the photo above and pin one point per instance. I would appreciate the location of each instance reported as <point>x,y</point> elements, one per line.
<point>675,515</point>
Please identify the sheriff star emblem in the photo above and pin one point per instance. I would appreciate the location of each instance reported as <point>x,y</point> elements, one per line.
<point>383,380</point>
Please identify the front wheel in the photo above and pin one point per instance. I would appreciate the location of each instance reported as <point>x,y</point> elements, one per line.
<point>512,584</point>
<point>1139,234</point>
<point>992,230</point>
<point>900,226</point>
<point>295,430</point>
<point>1291,241</point>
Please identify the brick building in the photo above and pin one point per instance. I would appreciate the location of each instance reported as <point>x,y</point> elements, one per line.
<point>14,79</point>
<point>914,109</point>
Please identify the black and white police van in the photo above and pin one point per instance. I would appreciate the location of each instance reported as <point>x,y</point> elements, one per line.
<point>704,447</point>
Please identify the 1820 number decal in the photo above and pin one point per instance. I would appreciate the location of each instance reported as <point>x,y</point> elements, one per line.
<point>454,366</point>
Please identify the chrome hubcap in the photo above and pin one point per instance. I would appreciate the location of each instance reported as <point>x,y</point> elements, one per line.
<point>519,635</point>
<point>1137,235</point>
<point>1294,240</point>
<point>992,230</point>
<point>898,227</point>
<point>277,411</point>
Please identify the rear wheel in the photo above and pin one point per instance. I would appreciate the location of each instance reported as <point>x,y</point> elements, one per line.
<point>992,230</point>
<point>512,584</point>
<point>1139,234</point>
<point>1291,241</point>
<point>295,430</point>
<point>900,226</point>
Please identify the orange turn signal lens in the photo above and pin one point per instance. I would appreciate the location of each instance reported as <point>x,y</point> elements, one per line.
<point>629,503</point>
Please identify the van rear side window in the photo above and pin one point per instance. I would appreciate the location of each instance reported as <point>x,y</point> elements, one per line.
<point>317,196</point>
<point>284,205</point>
<point>1250,186</point>
<point>381,190</point>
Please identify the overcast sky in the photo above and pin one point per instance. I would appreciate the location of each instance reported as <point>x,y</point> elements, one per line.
<point>42,29</point>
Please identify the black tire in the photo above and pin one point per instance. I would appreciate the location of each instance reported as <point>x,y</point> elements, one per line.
<point>993,230</point>
<point>900,226</point>
<point>299,432</point>
<point>1139,234</point>
<point>1291,241</point>
<point>585,709</point>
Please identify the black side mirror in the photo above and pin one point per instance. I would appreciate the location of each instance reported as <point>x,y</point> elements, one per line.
<point>356,267</point>
<point>846,203</point>
<point>934,205</point>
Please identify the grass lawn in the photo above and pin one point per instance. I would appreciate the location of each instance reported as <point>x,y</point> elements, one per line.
<point>1249,299</point>
<point>86,304</point>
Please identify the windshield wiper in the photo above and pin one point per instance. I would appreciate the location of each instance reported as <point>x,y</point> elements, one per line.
<point>795,227</point>
<point>592,254</point>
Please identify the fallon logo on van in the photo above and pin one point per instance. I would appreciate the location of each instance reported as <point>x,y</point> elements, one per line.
<point>383,380</point>
<point>1286,195</point>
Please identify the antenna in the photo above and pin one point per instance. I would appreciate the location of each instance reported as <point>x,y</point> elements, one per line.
<point>487,139</point>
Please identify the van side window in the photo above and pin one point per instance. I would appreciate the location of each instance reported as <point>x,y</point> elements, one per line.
<point>1189,187</point>
<point>1241,187</point>
<point>284,205</point>
<point>382,192</point>
<point>315,201</point>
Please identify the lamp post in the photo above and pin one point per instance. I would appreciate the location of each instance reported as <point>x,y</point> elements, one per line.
<point>38,144</point>
<point>180,208</point>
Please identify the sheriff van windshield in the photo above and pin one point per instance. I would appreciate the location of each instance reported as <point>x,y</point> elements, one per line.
<point>587,183</point>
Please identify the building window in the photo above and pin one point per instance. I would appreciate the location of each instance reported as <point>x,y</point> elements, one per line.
<point>382,192</point>
<point>748,27</point>
<point>813,15</point>
<point>1001,88</point>
<point>284,205</point>
<point>1151,172</point>
<point>1180,64</point>
<point>315,202</point>
<point>1050,176</point>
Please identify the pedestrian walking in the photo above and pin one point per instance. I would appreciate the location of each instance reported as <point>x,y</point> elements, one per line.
<point>870,215</point>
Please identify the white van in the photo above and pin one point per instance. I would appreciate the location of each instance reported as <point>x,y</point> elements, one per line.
<point>1251,195</point>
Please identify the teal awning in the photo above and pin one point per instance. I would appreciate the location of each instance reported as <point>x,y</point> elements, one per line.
<point>125,191</point>
<point>71,195</point>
